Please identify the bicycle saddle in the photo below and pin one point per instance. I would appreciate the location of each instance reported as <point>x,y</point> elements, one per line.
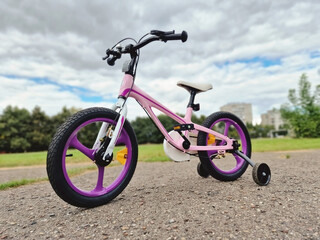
<point>198,87</point>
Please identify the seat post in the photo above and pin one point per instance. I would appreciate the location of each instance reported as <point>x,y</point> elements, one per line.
<point>195,107</point>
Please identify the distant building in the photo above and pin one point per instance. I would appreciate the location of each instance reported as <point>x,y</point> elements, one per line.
<point>241,110</point>
<point>272,118</point>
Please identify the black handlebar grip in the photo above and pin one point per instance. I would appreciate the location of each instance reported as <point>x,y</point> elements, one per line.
<point>184,36</point>
<point>180,36</point>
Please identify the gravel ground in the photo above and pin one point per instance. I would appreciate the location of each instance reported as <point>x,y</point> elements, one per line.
<point>19,173</point>
<point>170,201</point>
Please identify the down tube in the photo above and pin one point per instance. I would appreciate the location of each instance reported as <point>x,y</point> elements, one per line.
<point>147,102</point>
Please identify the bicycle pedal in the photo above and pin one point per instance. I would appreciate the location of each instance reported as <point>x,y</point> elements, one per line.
<point>183,127</point>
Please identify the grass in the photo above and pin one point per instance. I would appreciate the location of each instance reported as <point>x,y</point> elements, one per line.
<point>152,153</point>
<point>22,159</point>
<point>284,144</point>
<point>17,183</point>
<point>155,153</point>
<point>147,153</point>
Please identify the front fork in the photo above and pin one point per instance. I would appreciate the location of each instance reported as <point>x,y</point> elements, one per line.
<point>115,134</point>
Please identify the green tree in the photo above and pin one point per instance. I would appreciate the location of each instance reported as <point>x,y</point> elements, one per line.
<point>21,131</point>
<point>145,130</point>
<point>258,130</point>
<point>14,126</point>
<point>62,116</point>
<point>87,135</point>
<point>40,131</point>
<point>303,111</point>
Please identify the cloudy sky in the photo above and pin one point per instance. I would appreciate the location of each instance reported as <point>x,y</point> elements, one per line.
<point>250,51</point>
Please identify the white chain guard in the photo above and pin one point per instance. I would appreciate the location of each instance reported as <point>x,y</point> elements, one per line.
<point>173,153</point>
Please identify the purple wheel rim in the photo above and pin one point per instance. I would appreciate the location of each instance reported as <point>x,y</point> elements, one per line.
<point>239,161</point>
<point>99,189</point>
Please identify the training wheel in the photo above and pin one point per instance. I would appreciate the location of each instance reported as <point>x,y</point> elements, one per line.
<point>201,171</point>
<point>261,174</point>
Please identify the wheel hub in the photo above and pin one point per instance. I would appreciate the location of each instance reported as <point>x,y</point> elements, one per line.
<point>98,156</point>
<point>264,174</point>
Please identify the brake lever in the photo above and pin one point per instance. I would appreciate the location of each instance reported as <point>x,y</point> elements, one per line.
<point>107,54</point>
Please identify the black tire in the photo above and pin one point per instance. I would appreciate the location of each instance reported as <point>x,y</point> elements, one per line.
<point>261,174</point>
<point>209,161</point>
<point>201,171</point>
<point>57,157</point>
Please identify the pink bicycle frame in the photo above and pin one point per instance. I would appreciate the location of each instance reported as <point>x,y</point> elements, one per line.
<point>129,89</point>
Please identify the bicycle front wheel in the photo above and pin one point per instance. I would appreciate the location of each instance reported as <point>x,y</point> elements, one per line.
<point>230,166</point>
<point>71,167</point>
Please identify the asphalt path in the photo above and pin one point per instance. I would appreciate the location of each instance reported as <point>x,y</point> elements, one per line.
<point>170,201</point>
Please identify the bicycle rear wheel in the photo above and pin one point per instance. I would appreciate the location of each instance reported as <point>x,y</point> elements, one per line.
<point>229,167</point>
<point>70,154</point>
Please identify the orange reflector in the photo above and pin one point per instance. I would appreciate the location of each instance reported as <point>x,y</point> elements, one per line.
<point>211,139</point>
<point>122,156</point>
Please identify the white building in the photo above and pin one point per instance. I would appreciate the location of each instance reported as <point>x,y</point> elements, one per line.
<point>272,118</point>
<point>241,110</point>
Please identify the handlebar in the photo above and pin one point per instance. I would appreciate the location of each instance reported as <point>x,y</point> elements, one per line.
<point>156,36</point>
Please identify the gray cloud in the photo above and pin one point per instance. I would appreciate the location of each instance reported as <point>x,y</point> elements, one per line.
<point>65,40</point>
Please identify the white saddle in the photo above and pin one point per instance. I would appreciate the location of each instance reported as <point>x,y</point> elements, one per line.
<point>198,87</point>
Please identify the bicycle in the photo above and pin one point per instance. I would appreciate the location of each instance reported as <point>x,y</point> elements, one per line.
<point>222,137</point>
